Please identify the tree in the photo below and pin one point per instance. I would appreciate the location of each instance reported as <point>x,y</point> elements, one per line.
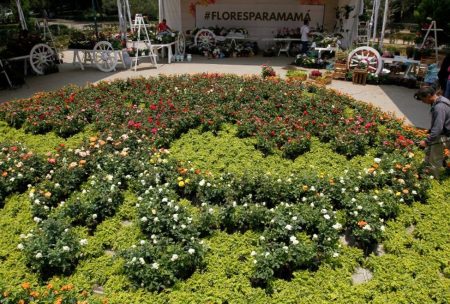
<point>438,10</point>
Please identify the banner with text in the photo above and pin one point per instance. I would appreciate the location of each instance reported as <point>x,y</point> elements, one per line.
<point>262,16</point>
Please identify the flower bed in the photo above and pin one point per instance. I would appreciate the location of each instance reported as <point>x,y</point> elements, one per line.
<point>175,208</point>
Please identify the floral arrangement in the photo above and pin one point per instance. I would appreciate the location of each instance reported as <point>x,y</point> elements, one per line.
<point>315,73</point>
<point>267,71</point>
<point>299,217</point>
<point>193,5</point>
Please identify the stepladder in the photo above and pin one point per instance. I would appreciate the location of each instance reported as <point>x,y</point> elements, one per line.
<point>141,29</point>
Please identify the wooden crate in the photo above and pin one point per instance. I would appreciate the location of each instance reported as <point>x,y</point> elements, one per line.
<point>340,70</point>
<point>359,76</point>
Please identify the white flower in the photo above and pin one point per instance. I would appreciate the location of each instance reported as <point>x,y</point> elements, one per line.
<point>315,237</point>
<point>294,242</point>
<point>191,251</point>
<point>174,257</point>
<point>323,211</point>
<point>38,255</point>
<point>377,160</point>
<point>142,261</point>
<point>142,242</point>
<point>253,253</point>
<point>382,228</point>
<point>359,207</point>
<point>175,217</point>
<point>414,192</point>
<point>294,218</point>
<point>66,248</point>
<point>94,216</point>
<point>262,238</point>
<point>337,226</point>
<point>37,219</point>
<point>304,199</point>
<point>156,219</point>
<point>20,246</point>
<point>285,248</point>
<point>210,210</point>
<point>288,227</point>
<point>133,259</point>
<point>335,255</point>
<point>144,219</point>
<point>326,216</point>
<point>367,227</point>
<point>83,242</point>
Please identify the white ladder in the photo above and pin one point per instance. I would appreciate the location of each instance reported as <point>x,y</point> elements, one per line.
<point>432,27</point>
<point>140,24</point>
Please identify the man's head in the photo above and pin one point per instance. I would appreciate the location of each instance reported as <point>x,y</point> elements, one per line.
<point>426,95</point>
<point>306,22</point>
<point>164,21</point>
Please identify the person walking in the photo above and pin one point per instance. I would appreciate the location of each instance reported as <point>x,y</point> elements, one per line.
<point>439,135</point>
<point>304,31</point>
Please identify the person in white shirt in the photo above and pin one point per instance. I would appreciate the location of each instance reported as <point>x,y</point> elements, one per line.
<point>304,31</point>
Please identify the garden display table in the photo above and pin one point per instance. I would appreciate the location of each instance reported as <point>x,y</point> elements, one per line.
<point>103,56</point>
<point>411,63</point>
<point>41,56</point>
<point>323,49</point>
<point>286,43</point>
<point>155,47</point>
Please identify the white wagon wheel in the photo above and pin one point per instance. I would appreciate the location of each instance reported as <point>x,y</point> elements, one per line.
<point>41,57</point>
<point>205,39</point>
<point>368,56</point>
<point>180,46</point>
<point>105,57</point>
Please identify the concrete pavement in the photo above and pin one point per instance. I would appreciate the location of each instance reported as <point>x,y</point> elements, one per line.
<point>398,100</point>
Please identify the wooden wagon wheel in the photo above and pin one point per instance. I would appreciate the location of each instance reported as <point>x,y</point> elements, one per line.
<point>41,57</point>
<point>180,46</point>
<point>105,57</point>
<point>205,39</point>
<point>367,56</point>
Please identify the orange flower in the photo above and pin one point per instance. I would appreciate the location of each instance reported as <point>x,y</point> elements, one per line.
<point>59,301</point>
<point>49,286</point>
<point>67,287</point>
<point>26,285</point>
<point>6,294</point>
<point>21,301</point>
<point>198,171</point>
<point>82,162</point>
<point>34,294</point>
<point>405,191</point>
<point>361,224</point>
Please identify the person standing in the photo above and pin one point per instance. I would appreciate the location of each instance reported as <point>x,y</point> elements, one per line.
<point>439,134</point>
<point>444,73</point>
<point>304,31</point>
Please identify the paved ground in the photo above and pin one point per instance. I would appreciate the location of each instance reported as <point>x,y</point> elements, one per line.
<point>398,100</point>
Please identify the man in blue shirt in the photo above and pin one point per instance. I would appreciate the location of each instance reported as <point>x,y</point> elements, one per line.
<point>439,135</point>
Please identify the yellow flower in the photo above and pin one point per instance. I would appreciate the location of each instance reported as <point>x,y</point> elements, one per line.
<point>181,184</point>
<point>180,178</point>
<point>47,194</point>
<point>187,180</point>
